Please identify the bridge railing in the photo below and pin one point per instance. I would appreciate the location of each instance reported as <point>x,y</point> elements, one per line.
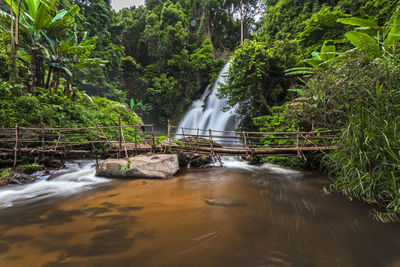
<point>125,140</point>
<point>251,143</point>
<point>95,141</point>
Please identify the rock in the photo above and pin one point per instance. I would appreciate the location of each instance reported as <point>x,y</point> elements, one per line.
<point>166,144</point>
<point>20,178</point>
<point>143,166</point>
<point>199,161</point>
<point>194,160</point>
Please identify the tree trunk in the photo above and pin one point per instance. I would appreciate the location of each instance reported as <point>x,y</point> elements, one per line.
<point>208,24</point>
<point>36,68</point>
<point>14,70</point>
<point>55,79</point>
<point>68,88</point>
<point>241,23</point>
<point>48,78</point>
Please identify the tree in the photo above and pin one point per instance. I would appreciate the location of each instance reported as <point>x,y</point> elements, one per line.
<point>48,33</point>
<point>256,78</point>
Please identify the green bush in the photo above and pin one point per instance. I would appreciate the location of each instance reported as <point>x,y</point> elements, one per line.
<point>59,110</point>
<point>362,97</point>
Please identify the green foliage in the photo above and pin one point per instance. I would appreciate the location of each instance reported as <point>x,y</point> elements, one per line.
<point>59,110</point>
<point>320,27</point>
<point>30,168</point>
<point>361,97</point>
<point>4,174</point>
<point>256,77</point>
<point>202,58</point>
<point>367,165</point>
<point>371,39</point>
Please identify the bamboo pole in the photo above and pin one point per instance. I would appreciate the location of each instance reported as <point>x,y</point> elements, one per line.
<point>169,137</point>
<point>211,141</point>
<point>16,146</point>
<point>154,139</point>
<point>245,143</point>
<point>135,140</point>
<point>119,136</point>
<point>123,140</point>
<point>42,131</point>
<point>297,143</point>
<point>58,140</point>
<point>183,133</point>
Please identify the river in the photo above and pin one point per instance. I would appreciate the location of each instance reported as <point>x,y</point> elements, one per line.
<point>239,215</point>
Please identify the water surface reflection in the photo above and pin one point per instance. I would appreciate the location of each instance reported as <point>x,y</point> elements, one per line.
<point>248,216</point>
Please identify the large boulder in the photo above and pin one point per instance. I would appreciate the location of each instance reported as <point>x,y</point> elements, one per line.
<point>155,166</point>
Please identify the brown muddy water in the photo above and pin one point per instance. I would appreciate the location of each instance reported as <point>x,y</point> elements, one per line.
<point>232,216</point>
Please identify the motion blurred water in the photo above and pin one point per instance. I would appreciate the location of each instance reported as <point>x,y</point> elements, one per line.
<point>76,177</point>
<point>207,112</point>
<point>239,215</point>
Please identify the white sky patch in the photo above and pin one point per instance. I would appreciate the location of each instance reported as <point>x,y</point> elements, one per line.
<point>120,4</point>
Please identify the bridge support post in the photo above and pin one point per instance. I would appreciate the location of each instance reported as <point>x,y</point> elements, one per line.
<point>16,148</point>
<point>42,131</point>
<point>119,136</point>
<point>168,138</point>
<point>135,140</point>
<point>245,144</point>
<point>298,143</point>
<point>154,139</point>
<point>211,141</point>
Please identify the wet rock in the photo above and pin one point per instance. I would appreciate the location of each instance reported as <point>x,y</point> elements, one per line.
<point>20,178</point>
<point>200,161</point>
<point>193,160</point>
<point>143,166</point>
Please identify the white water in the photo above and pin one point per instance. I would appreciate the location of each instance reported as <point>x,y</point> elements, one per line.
<point>207,112</point>
<point>76,177</point>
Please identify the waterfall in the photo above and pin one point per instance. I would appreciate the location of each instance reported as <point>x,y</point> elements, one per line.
<point>207,112</point>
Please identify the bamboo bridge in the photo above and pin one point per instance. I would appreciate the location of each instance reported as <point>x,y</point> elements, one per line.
<point>98,142</point>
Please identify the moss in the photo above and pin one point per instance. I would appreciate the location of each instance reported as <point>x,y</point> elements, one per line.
<point>30,168</point>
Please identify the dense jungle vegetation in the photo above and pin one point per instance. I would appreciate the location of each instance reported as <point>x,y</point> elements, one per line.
<point>309,64</point>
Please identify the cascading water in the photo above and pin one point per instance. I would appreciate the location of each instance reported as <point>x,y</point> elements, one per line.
<point>207,112</point>
<point>76,177</point>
